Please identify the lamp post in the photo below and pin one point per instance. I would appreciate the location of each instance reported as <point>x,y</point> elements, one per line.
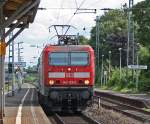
<point>109,63</point>
<point>120,61</point>
<point>102,70</point>
<point>137,62</point>
<point>97,38</point>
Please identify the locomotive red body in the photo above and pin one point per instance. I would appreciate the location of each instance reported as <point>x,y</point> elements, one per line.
<point>66,77</point>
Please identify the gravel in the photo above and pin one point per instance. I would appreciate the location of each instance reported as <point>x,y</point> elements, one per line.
<point>106,116</point>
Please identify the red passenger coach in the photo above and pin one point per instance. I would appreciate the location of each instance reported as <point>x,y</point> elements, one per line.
<point>66,77</point>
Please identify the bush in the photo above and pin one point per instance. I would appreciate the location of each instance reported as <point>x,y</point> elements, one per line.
<point>131,85</point>
<point>97,77</point>
<point>115,78</point>
<point>144,84</point>
<point>31,78</point>
<point>125,82</point>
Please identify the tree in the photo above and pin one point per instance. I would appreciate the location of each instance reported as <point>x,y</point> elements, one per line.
<point>83,40</point>
<point>113,34</point>
<point>141,13</point>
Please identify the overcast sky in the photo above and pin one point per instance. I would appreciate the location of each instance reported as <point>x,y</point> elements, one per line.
<point>38,33</point>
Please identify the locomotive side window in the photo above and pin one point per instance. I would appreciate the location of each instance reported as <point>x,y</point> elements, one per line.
<point>57,58</point>
<point>79,58</point>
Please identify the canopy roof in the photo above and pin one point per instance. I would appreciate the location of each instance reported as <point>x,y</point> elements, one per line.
<point>20,10</point>
<point>17,14</point>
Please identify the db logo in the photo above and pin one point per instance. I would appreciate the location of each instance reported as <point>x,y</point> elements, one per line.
<point>69,75</point>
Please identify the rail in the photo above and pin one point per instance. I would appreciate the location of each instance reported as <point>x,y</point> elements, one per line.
<point>79,118</point>
<point>126,109</point>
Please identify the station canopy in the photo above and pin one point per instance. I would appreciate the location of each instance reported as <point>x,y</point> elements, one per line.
<point>24,10</point>
<point>19,14</point>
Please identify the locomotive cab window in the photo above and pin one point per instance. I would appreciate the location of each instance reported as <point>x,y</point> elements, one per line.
<point>71,58</point>
<point>57,58</point>
<point>79,58</point>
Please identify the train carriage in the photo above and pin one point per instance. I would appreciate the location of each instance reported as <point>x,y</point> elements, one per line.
<point>66,77</point>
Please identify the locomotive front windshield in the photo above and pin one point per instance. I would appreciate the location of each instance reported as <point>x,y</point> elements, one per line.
<point>71,58</point>
<point>59,58</point>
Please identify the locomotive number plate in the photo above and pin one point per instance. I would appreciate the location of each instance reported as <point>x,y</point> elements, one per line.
<point>69,82</point>
<point>69,75</point>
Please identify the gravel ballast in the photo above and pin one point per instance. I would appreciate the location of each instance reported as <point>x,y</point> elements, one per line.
<point>106,116</point>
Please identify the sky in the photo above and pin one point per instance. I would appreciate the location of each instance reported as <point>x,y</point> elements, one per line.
<point>38,33</point>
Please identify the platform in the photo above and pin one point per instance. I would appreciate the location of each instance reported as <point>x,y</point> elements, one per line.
<point>23,108</point>
<point>145,98</point>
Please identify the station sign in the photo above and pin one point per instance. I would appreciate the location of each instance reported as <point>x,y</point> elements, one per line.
<point>137,67</point>
<point>20,64</point>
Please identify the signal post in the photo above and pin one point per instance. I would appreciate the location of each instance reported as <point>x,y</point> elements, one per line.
<point>2,59</point>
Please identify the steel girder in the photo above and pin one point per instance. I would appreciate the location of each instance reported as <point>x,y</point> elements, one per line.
<point>17,33</point>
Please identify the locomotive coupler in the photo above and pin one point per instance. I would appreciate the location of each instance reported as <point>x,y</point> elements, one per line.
<point>69,99</point>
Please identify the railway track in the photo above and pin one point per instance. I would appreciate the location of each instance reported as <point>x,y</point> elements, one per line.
<point>126,109</point>
<point>138,103</point>
<point>72,119</point>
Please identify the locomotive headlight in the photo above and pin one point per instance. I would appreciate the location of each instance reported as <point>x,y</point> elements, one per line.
<point>86,82</point>
<point>51,82</point>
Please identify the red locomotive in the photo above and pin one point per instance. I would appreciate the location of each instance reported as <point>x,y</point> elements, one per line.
<point>66,77</point>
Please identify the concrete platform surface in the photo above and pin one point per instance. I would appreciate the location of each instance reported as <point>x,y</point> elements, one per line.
<point>23,108</point>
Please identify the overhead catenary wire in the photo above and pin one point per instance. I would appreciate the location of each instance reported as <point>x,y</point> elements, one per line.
<point>76,3</point>
<point>76,11</point>
<point>61,6</point>
<point>67,8</point>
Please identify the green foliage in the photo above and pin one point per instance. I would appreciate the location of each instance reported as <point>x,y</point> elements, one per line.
<point>113,24</point>
<point>144,84</point>
<point>113,34</point>
<point>83,40</point>
<point>145,109</point>
<point>125,84</point>
<point>126,90</point>
<point>32,69</point>
<point>144,52</point>
<point>115,79</point>
<point>31,78</point>
<point>97,77</point>
<point>144,55</point>
<point>141,13</point>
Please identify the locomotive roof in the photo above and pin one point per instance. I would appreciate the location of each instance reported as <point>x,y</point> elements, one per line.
<point>66,48</point>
